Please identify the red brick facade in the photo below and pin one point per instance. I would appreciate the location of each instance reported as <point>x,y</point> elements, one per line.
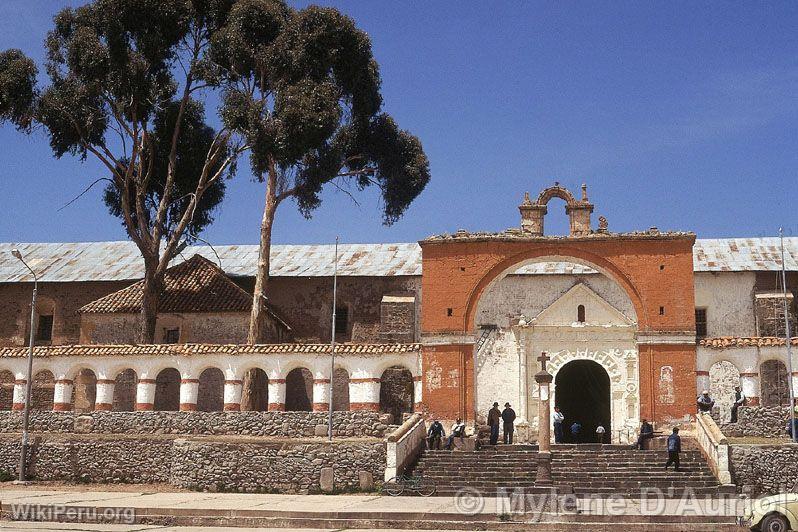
<point>655,270</point>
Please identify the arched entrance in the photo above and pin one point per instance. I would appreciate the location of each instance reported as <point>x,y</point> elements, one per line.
<point>582,391</point>
<point>460,269</point>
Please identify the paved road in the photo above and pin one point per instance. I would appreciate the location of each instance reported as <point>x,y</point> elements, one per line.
<point>6,526</point>
<point>359,504</point>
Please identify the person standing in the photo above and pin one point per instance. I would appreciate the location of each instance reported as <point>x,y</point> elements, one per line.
<point>435,433</point>
<point>557,418</point>
<point>494,415</point>
<point>705,403</point>
<point>576,430</point>
<point>508,418</point>
<point>674,448</point>
<point>739,400</point>
<point>600,433</point>
<point>646,433</point>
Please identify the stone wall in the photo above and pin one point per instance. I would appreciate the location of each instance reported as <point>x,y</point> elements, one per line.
<point>136,460</point>
<point>67,298</point>
<point>262,467</point>
<point>764,469</point>
<point>195,327</point>
<point>770,313</point>
<point>398,319</point>
<point>306,302</point>
<point>758,421</point>
<point>277,424</point>
<point>202,465</point>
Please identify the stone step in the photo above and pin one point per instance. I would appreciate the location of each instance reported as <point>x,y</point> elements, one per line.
<point>586,469</point>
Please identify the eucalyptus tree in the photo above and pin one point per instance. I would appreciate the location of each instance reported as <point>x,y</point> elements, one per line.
<point>125,77</point>
<point>303,89</point>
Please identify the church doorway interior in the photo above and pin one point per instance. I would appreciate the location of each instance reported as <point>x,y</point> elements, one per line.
<point>582,391</point>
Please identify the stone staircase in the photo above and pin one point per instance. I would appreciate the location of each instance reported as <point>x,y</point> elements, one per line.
<point>587,469</point>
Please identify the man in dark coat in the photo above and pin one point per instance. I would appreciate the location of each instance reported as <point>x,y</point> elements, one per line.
<point>508,417</point>
<point>576,431</point>
<point>646,432</point>
<point>435,434</point>
<point>674,448</point>
<point>494,415</point>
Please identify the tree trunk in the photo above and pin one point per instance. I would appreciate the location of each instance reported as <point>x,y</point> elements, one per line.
<point>257,322</point>
<point>150,297</point>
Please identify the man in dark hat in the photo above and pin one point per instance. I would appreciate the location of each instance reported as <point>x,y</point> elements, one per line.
<point>494,415</point>
<point>508,417</point>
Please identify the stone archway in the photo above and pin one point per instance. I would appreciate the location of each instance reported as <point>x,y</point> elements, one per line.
<point>774,383</point>
<point>85,391</point>
<point>458,268</point>
<point>340,384</point>
<point>167,390</point>
<point>396,392</point>
<point>210,391</point>
<point>299,390</point>
<point>43,392</point>
<point>621,368</point>
<point>6,390</point>
<point>125,391</point>
<point>583,395</point>
<point>255,395</point>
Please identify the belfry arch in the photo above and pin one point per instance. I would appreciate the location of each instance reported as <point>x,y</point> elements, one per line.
<point>578,211</point>
<point>655,269</point>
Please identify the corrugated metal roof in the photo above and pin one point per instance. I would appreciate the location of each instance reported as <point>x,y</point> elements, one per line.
<point>554,268</point>
<point>744,254</point>
<point>121,261</point>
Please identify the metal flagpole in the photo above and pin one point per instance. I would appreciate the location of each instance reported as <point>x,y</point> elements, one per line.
<point>332,343</point>
<point>788,335</point>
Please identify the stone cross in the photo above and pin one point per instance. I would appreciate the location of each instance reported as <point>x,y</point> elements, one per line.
<point>543,358</point>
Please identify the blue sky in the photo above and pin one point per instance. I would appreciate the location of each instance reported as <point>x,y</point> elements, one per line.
<point>680,115</point>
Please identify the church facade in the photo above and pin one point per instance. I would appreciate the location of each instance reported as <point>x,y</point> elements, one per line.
<point>636,324</point>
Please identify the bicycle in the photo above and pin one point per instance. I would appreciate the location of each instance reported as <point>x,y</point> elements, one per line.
<point>400,484</point>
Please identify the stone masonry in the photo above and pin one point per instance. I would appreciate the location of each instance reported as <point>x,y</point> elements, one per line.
<point>204,465</point>
<point>276,424</point>
<point>259,467</point>
<point>764,469</point>
<point>763,422</point>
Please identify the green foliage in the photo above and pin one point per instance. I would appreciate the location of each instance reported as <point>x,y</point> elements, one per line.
<point>17,88</point>
<point>117,70</point>
<point>303,89</point>
<point>193,145</point>
<point>6,476</point>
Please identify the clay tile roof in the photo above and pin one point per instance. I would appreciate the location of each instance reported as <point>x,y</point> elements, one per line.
<point>724,342</point>
<point>198,349</point>
<point>196,285</point>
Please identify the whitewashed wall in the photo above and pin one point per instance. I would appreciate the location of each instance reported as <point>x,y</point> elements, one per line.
<point>729,300</point>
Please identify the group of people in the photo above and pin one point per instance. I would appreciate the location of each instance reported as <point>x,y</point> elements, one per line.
<point>705,403</point>
<point>507,419</point>
<point>558,418</point>
<point>436,433</point>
